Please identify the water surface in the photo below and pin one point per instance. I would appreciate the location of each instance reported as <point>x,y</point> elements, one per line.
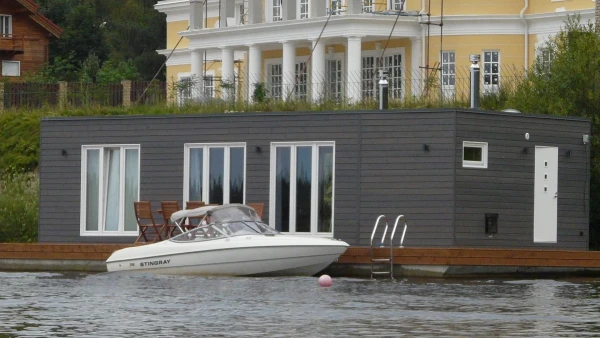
<point>132,305</point>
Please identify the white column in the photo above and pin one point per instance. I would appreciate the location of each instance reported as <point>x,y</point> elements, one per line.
<point>254,69</point>
<point>318,70</point>
<point>416,74</point>
<point>289,69</point>
<point>354,74</point>
<point>197,63</point>
<point>242,77</point>
<point>227,73</point>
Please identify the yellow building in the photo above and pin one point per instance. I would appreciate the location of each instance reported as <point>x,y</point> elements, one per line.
<point>316,49</point>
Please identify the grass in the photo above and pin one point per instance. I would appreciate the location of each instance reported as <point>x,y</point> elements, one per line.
<point>19,200</point>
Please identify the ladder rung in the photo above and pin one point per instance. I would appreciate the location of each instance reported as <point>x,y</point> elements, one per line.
<point>380,259</point>
<point>380,272</point>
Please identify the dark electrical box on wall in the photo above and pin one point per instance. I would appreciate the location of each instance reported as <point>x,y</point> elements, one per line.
<point>491,224</point>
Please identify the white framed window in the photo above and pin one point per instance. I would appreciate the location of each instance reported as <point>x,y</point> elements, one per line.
<point>336,7</point>
<point>335,81</point>
<point>209,84</point>
<point>302,185</point>
<point>368,76</point>
<point>275,10</point>
<point>475,154</point>
<point>393,63</point>
<point>303,9</point>
<point>274,78</point>
<point>448,74</point>
<point>184,89</point>
<point>301,82</point>
<point>491,71</point>
<point>11,68</point>
<point>544,56</point>
<point>110,183</point>
<point>397,5</point>
<point>5,25</point>
<point>188,88</point>
<point>214,173</point>
<point>367,6</point>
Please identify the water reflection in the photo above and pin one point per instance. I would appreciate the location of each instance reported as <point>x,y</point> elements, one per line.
<point>128,305</point>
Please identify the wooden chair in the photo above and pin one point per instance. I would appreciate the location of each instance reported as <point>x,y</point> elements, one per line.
<point>146,222</point>
<point>167,209</point>
<point>258,207</point>
<point>194,221</point>
<point>194,204</point>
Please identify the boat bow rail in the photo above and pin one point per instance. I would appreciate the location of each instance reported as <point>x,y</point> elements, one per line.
<point>382,244</point>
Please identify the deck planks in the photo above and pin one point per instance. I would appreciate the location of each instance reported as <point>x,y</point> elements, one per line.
<point>353,255</point>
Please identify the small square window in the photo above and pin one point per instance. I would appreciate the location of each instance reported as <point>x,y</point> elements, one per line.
<point>475,154</point>
<point>11,68</point>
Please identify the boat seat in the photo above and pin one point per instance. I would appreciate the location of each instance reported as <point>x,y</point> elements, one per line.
<point>149,230</point>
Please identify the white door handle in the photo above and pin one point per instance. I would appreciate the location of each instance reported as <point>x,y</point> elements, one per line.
<point>556,194</point>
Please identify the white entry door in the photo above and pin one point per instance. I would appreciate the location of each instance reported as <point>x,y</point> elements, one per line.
<point>545,195</point>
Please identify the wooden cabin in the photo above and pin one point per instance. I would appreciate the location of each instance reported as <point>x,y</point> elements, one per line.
<point>24,38</point>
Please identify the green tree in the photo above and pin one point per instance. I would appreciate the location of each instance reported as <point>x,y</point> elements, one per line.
<point>81,21</point>
<point>134,31</point>
<point>90,68</point>
<point>116,30</point>
<point>112,72</point>
<point>60,69</point>
<point>565,80</point>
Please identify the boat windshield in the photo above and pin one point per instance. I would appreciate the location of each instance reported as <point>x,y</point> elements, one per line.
<point>227,221</point>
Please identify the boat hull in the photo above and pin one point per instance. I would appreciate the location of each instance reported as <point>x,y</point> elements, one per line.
<point>246,256</point>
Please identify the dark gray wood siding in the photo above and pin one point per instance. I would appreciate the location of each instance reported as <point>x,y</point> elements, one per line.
<point>398,176</point>
<point>506,187</point>
<point>390,163</point>
<point>381,167</point>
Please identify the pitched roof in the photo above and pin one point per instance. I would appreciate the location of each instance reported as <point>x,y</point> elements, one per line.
<point>39,18</point>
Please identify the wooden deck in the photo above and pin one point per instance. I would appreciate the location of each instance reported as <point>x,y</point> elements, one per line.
<point>354,255</point>
<point>91,252</point>
<point>477,257</point>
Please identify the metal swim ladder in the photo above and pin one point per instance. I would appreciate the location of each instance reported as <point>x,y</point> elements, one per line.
<point>383,245</point>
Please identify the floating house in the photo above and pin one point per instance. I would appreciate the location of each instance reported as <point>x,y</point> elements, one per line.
<point>461,177</point>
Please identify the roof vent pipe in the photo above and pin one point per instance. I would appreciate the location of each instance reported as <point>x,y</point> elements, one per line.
<point>475,75</point>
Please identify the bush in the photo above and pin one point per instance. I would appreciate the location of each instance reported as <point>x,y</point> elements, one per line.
<point>19,200</point>
<point>19,148</point>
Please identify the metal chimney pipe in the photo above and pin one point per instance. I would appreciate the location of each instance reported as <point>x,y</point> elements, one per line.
<point>475,76</point>
<point>383,89</point>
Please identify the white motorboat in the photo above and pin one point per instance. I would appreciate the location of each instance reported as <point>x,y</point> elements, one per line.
<point>230,240</point>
